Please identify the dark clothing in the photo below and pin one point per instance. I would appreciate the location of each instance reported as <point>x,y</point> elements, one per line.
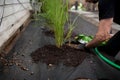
<point>113,45</point>
<point>117,12</point>
<point>109,9</point>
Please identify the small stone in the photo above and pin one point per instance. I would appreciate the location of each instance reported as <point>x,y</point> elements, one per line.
<point>23,55</point>
<point>15,53</point>
<point>10,64</point>
<point>50,65</point>
<point>48,78</point>
<point>32,73</point>
<point>24,68</point>
<point>91,62</point>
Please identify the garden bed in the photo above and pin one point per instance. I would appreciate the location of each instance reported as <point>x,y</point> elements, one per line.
<point>50,66</point>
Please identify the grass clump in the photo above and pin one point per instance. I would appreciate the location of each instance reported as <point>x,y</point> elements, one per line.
<point>56,11</point>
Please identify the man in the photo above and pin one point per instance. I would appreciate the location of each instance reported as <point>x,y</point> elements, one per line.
<point>72,2</point>
<point>108,12</point>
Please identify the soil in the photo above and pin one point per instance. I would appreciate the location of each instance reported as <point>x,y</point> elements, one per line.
<point>50,54</point>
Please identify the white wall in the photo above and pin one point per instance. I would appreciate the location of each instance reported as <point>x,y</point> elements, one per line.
<point>13,13</point>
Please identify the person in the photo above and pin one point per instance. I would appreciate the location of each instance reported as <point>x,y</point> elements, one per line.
<point>108,13</point>
<point>112,47</point>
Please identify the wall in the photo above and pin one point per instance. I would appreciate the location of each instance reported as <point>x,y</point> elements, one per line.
<point>13,13</point>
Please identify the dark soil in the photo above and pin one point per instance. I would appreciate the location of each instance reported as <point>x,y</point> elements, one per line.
<point>50,54</point>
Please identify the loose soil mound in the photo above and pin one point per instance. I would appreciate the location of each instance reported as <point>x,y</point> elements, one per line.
<point>50,54</point>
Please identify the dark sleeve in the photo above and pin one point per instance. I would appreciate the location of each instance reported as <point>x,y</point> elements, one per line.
<point>117,12</point>
<point>106,9</point>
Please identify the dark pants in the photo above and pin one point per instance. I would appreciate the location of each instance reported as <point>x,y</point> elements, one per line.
<point>113,45</point>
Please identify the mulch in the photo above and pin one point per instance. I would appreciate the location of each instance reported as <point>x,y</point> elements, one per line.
<point>50,54</point>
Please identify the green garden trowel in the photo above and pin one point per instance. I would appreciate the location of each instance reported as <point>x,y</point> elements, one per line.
<point>84,39</point>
